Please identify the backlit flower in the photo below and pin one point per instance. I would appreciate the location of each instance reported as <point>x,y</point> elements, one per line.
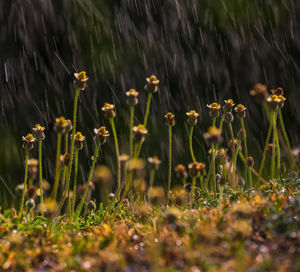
<point>213,135</point>
<point>80,80</point>
<point>38,132</point>
<point>109,110</point>
<point>214,109</point>
<point>152,83</point>
<point>139,133</point>
<point>101,135</point>
<point>78,140</point>
<point>170,119</point>
<point>240,111</point>
<point>132,97</point>
<point>192,117</point>
<point>28,141</point>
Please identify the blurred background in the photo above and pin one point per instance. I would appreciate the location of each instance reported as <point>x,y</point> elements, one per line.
<point>201,50</point>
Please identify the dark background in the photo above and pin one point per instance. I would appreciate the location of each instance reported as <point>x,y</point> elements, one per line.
<point>201,51</point>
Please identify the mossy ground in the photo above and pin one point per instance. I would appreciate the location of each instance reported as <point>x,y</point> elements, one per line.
<point>246,231</point>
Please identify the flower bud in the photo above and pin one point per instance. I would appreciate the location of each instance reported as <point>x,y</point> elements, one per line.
<point>240,111</point>
<point>28,142</point>
<point>38,132</point>
<point>60,125</point>
<point>101,135</point>
<point>139,133</point>
<point>213,135</point>
<point>78,140</point>
<point>170,119</point>
<point>192,117</point>
<point>109,111</point>
<point>65,159</point>
<point>214,109</point>
<point>260,92</point>
<point>181,172</point>
<point>154,162</point>
<point>152,83</point>
<point>132,97</point>
<point>80,80</point>
<point>250,161</point>
<point>228,105</point>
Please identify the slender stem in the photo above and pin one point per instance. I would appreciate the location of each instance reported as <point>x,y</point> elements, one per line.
<point>80,206</point>
<point>273,116</point>
<point>277,148</point>
<point>113,128</point>
<point>152,177</point>
<point>262,164</point>
<point>245,149</point>
<point>210,168</point>
<point>222,122</point>
<point>55,187</point>
<point>250,177</point>
<point>24,184</point>
<point>286,138</point>
<point>130,131</point>
<point>69,172</point>
<point>192,196</point>
<point>191,143</point>
<point>145,122</point>
<point>233,152</point>
<point>170,164</point>
<point>214,121</point>
<point>41,177</point>
<point>75,181</point>
<point>147,109</point>
<point>235,159</point>
<point>266,108</point>
<point>214,170</point>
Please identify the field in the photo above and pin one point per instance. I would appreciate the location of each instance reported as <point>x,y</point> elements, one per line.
<point>137,137</point>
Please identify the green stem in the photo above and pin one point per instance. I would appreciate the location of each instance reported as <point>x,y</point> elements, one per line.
<point>113,128</point>
<point>233,152</point>
<point>277,148</point>
<point>234,161</point>
<point>80,206</point>
<point>262,164</point>
<point>41,177</point>
<point>24,184</point>
<point>130,132</point>
<point>58,148</point>
<point>192,196</point>
<point>152,177</point>
<point>145,122</point>
<point>170,164</point>
<point>222,122</point>
<point>69,172</point>
<point>214,170</point>
<point>245,149</point>
<point>286,138</point>
<point>147,109</point>
<point>75,181</point>
<point>191,143</point>
<point>273,116</point>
